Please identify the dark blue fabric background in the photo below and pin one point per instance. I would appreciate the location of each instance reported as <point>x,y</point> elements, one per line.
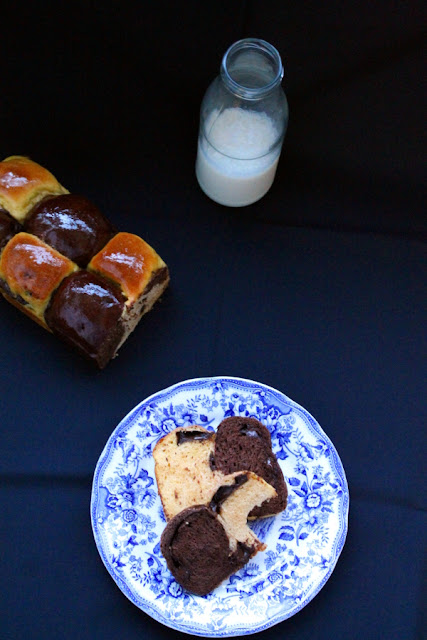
<point>318,290</point>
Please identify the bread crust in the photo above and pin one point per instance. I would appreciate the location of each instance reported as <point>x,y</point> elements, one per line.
<point>23,184</point>
<point>128,261</point>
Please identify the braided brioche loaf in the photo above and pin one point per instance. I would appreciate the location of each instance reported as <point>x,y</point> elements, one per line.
<point>65,265</point>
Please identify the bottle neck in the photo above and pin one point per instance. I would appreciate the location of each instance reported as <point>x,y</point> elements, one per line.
<point>251,69</point>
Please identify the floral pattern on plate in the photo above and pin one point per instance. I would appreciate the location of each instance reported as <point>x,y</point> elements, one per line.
<point>303,543</point>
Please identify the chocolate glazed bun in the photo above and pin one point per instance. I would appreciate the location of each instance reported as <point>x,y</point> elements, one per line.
<point>86,312</point>
<point>245,443</point>
<point>8,227</point>
<point>197,550</point>
<point>72,225</point>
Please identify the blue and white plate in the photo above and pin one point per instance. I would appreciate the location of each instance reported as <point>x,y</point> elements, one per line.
<point>303,543</point>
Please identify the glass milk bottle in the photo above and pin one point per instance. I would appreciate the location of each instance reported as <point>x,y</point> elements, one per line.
<point>243,121</point>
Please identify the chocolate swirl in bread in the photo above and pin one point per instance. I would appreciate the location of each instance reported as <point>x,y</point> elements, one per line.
<point>245,443</point>
<point>197,550</point>
<point>191,463</point>
<point>87,313</point>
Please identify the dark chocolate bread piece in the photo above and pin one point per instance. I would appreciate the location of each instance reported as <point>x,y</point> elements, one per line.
<point>72,225</point>
<point>197,550</point>
<point>245,443</point>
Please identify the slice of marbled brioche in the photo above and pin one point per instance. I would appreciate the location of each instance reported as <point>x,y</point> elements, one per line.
<point>204,545</point>
<point>245,443</point>
<point>182,467</point>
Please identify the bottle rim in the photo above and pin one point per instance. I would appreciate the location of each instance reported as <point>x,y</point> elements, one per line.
<point>262,46</point>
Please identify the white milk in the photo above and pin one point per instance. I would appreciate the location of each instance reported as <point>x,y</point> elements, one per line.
<point>236,167</point>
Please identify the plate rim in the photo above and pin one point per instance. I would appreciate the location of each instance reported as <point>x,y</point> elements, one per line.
<point>241,630</point>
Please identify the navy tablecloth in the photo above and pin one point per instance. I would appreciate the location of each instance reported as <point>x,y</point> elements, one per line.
<point>318,290</point>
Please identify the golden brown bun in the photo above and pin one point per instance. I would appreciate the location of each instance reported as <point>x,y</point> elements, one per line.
<point>24,183</point>
<point>132,264</point>
<point>128,261</point>
<point>188,468</point>
<point>30,271</point>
